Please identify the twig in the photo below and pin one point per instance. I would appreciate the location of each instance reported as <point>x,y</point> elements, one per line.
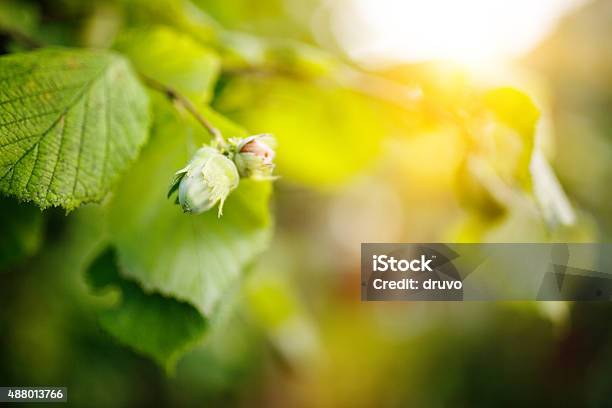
<point>406,97</point>
<point>176,97</point>
<point>170,92</point>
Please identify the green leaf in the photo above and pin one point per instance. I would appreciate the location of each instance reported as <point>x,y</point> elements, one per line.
<point>71,121</point>
<point>503,132</point>
<point>506,167</point>
<point>495,173</point>
<point>21,235</point>
<point>195,258</point>
<point>325,133</point>
<point>182,15</point>
<point>173,59</point>
<point>152,324</point>
<point>515,108</point>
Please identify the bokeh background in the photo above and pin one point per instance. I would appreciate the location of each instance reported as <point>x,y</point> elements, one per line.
<point>368,162</point>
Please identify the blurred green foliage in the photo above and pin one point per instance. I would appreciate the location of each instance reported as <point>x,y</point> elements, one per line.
<point>22,226</point>
<point>175,60</point>
<point>154,325</point>
<point>192,311</point>
<point>325,134</point>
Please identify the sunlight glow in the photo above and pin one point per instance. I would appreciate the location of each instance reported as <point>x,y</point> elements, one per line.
<point>466,31</point>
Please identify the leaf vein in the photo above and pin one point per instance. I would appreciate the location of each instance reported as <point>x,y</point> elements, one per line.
<point>25,119</point>
<point>57,158</point>
<point>51,91</point>
<point>84,89</point>
<point>81,140</point>
<point>106,126</point>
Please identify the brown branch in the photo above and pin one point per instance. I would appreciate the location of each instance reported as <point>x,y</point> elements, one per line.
<point>176,97</point>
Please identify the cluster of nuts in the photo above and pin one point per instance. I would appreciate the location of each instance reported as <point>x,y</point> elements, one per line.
<point>214,172</point>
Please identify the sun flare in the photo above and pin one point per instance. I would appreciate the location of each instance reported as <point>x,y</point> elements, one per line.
<point>467,31</point>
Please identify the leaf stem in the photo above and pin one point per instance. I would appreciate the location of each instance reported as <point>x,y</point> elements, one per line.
<point>182,100</point>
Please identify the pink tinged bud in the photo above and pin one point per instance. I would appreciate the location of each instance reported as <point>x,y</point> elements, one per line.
<point>259,149</point>
<point>254,156</point>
